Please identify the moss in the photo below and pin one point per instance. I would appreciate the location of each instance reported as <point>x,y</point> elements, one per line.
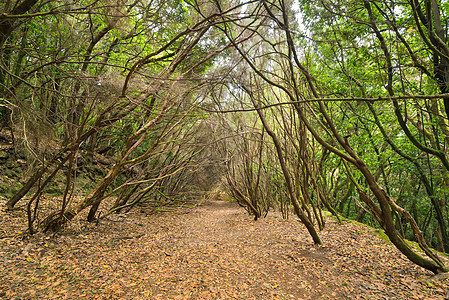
<point>53,190</point>
<point>381,234</point>
<point>8,187</point>
<point>342,218</point>
<point>3,154</point>
<point>11,164</point>
<point>327,214</point>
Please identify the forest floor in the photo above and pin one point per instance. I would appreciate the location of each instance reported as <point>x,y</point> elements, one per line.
<point>212,251</point>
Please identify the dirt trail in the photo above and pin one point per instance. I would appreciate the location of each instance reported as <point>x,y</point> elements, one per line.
<point>214,251</point>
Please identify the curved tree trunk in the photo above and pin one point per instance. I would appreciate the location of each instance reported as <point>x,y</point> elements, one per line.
<point>288,181</point>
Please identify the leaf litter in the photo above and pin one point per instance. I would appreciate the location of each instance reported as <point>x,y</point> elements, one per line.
<point>214,251</point>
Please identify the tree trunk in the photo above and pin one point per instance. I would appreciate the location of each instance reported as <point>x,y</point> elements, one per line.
<point>7,24</point>
<point>296,205</point>
<point>32,181</point>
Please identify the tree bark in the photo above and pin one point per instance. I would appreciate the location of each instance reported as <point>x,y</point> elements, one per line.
<point>7,23</point>
<point>288,181</point>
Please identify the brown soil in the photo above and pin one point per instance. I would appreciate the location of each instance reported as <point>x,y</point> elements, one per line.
<point>214,251</point>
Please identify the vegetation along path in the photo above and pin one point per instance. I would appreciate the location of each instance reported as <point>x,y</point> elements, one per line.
<point>214,251</point>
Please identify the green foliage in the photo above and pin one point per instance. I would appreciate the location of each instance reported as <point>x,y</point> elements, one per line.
<point>347,60</point>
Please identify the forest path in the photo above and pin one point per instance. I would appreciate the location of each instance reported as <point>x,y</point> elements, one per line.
<point>214,251</point>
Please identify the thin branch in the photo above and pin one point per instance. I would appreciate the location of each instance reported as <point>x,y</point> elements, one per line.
<point>371,100</point>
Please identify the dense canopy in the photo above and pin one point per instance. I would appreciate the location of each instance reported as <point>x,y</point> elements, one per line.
<point>296,106</point>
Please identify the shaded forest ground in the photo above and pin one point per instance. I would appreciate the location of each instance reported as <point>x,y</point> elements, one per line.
<point>213,251</point>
